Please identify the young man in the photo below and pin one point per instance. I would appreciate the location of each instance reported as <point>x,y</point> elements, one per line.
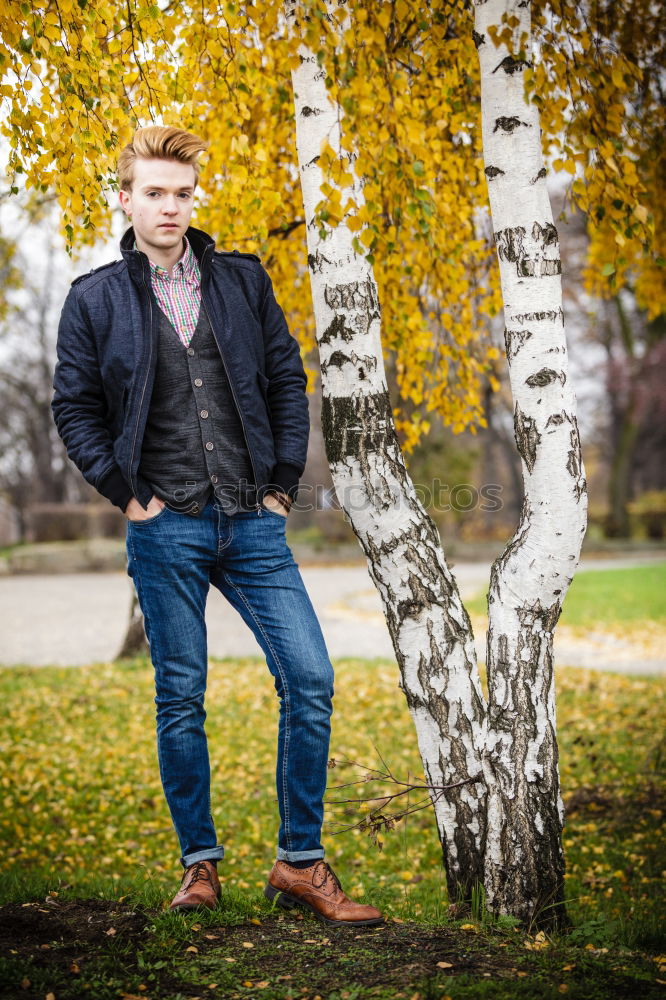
<point>180,395</point>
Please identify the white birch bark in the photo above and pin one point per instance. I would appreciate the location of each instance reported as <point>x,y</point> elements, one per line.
<point>429,627</point>
<point>524,865</point>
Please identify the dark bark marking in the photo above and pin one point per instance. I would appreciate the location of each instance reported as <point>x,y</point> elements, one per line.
<point>355,426</point>
<point>575,461</point>
<point>511,65</point>
<point>355,307</point>
<point>527,437</point>
<point>337,329</point>
<point>556,418</point>
<point>477,38</point>
<point>551,314</point>
<point>509,125</point>
<point>514,340</point>
<point>544,377</point>
<point>421,596</point>
<point>307,112</point>
<point>539,176</point>
<point>528,251</point>
<point>339,358</point>
<point>317,261</point>
<point>547,233</point>
<point>531,615</point>
<point>493,172</point>
<point>355,295</point>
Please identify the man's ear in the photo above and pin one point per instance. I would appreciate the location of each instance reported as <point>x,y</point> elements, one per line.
<point>125,198</point>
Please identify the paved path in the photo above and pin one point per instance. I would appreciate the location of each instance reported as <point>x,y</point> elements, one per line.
<point>74,619</point>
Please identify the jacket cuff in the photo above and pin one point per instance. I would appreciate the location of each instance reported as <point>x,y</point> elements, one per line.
<point>114,487</point>
<point>285,477</point>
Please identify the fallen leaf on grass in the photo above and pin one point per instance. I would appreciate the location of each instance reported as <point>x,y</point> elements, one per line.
<point>111,931</point>
<point>540,942</point>
<point>75,968</point>
<point>193,948</point>
<point>25,983</point>
<point>444,965</point>
<point>247,944</point>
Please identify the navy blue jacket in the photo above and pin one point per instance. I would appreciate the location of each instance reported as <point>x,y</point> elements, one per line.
<point>105,370</point>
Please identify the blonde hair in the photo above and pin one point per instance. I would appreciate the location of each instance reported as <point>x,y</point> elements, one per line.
<point>162,142</point>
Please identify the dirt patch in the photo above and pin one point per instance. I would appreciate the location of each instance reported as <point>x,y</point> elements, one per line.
<point>102,950</point>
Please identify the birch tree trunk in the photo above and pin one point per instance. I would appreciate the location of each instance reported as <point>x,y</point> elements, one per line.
<point>524,864</point>
<point>429,627</point>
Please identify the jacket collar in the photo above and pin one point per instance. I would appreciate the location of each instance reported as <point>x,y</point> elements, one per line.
<point>137,262</point>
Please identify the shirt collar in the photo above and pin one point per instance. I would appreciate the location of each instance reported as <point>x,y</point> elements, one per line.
<point>186,267</point>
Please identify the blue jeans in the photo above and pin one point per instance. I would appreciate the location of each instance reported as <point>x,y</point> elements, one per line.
<point>173,558</point>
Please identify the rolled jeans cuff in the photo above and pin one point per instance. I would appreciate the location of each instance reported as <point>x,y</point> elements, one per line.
<point>288,856</point>
<point>209,854</point>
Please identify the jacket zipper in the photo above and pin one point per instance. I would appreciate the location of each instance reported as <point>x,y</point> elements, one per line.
<point>135,485</point>
<point>231,386</point>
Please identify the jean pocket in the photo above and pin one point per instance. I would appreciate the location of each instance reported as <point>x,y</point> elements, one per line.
<point>275,513</point>
<point>149,520</point>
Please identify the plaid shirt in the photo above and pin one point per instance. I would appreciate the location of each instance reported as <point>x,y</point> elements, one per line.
<point>179,296</point>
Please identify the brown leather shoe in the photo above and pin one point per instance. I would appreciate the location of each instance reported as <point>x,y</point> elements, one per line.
<point>318,889</point>
<point>200,887</point>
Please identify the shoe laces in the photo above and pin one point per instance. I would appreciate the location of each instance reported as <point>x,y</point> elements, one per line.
<point>198,872</point>
<point>329,871</point>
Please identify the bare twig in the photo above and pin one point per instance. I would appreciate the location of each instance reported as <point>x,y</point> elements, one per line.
<point>377,819</point>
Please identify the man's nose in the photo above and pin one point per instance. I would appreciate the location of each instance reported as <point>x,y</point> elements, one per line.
<point>170,205</point>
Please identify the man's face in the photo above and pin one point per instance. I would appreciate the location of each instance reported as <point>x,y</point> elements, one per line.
<point>160,202</point>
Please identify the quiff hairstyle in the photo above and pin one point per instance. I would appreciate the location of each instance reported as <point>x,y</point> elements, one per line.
<point>161,142</point>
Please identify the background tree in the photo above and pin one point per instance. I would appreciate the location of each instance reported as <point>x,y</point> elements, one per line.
<point>33,464</point>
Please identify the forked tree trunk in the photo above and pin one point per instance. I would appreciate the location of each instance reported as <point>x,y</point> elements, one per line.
<point>430,629</point>
<point>506,829</point>
<point>524,865</point>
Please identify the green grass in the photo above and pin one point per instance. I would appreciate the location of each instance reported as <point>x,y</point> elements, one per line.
<point>83,805</point>
<point>83,818</point>
<point>612,596</point>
